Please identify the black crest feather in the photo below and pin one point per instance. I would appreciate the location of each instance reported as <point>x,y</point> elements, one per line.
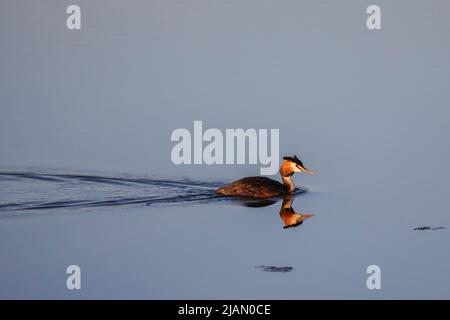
<point>294,159</point>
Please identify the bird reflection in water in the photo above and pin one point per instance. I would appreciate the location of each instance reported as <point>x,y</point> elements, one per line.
<point>287,213</point>
<point>289,216</point>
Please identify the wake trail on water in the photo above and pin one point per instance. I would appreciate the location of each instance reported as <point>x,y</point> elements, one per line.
<point>27,190</point>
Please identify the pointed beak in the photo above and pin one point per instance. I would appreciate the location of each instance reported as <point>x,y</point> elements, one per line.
<point>305,170</point>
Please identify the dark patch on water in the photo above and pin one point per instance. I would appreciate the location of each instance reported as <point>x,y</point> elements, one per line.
<point>424,228</point>
<point>275,269</point>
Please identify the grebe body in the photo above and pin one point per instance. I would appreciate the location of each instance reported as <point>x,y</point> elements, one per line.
<point>262,187</point>
<point>258,187</point>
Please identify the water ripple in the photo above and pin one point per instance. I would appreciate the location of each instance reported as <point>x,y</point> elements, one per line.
<point>22,190</point>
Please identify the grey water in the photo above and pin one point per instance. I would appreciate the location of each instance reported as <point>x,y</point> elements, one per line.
<point>86,176</point>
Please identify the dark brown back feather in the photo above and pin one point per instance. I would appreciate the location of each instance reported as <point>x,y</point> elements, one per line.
<point>258,187</point>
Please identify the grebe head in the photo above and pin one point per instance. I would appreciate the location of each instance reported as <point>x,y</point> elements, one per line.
<point>291,165</point>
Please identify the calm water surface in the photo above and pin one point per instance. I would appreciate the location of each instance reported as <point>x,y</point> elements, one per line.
<point>85,170</point>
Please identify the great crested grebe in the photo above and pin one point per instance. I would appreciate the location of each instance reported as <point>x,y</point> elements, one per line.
<point>262,187</point>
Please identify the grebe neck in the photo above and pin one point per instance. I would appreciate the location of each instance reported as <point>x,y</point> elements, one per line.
<point>288,183</point>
